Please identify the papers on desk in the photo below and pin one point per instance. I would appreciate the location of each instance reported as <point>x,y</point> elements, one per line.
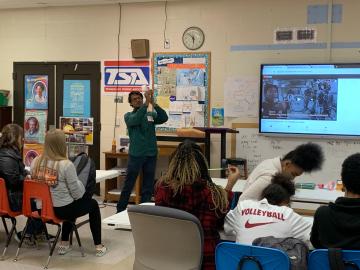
<point>238,187</point>
<point>122,171</point>
<point>102,175</point>
<point>120,220</point>
<point>316,196</point>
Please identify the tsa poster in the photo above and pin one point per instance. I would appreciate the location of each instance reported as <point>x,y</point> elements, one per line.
<point>31,151</point>
<point>76,101</point>
<point>35,126</point>
<point>36,92</point>
<point>125,76</point>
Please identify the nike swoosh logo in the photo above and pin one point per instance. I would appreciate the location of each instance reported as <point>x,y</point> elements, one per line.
<point>249,225</point>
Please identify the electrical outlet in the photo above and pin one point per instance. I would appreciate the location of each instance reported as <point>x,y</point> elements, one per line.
<point>167,43</point>
<point>119,99</point>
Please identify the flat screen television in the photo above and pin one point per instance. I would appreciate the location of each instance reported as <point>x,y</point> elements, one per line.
<point>310,99</point>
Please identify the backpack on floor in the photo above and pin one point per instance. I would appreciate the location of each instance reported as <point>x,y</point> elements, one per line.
<point>296,249</point>
<point>86,172</point>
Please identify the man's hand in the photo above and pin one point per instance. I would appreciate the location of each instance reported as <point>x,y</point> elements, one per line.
<point>147,98</point>
<point>151,93</point>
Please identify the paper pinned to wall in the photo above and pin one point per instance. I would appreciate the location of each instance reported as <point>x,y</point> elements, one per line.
<point>241,97</point>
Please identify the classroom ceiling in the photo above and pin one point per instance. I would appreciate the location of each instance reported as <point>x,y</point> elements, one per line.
<point>11,4</point>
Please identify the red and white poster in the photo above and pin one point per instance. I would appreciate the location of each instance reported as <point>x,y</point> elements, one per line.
<point>125,76</point>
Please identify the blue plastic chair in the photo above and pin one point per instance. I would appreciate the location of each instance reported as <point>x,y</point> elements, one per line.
<point>319,259</point>
<point>229,255</point>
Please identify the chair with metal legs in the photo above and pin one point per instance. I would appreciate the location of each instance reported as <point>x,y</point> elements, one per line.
<point>7,213</point>
<point>41,191</point>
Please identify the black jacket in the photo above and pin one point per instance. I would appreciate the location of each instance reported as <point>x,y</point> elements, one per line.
<point>12,169</point>
<point>337,225</point>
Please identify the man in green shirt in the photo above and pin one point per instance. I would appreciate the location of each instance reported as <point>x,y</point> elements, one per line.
<point>143,147</point>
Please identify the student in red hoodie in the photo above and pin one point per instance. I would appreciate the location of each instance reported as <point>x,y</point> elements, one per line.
<point>188,186</point>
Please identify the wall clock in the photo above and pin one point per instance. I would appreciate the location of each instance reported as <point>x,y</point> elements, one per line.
<point>193,38</point>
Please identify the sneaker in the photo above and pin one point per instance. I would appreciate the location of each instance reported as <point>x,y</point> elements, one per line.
<point>28,240</point>
<point>62,250</point>
<point>17,236</point>
<point>101,251</point>
<point>42,237</point>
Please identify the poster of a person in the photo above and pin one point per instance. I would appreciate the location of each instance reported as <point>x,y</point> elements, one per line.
<point>31,151</point>
<point>35,126</point>
<point>36,92</point>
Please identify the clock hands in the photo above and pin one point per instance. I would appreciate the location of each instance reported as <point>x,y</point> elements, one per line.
<point>193,38</point>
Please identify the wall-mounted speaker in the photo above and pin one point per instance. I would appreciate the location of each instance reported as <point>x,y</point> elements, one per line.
<point>140,48</point>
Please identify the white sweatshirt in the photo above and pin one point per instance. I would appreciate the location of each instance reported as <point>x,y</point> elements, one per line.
<point>260,178</point>
<point>254,219</point>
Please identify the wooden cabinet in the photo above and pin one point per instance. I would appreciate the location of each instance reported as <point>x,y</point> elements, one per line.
<point>111,161</point>
<point>5,116</point>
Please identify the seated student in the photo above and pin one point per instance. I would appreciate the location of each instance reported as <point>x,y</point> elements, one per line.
<point>54,168</point>
<point>187,186</point>
<point>304,158</point>
<point>269,217</point>
<point>338,224</point>
<point>12,170</point>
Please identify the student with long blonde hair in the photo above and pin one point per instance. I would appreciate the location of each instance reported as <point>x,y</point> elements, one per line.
<point>54,168</point>
<point>188,186</point>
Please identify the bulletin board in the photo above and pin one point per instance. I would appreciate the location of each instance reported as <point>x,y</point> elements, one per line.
<point>181,82</point>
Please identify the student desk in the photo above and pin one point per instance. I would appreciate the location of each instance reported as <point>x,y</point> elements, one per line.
<point>101,175</point>
<point>119,221</point>
<point>317,196</point>
<point>165,149</point>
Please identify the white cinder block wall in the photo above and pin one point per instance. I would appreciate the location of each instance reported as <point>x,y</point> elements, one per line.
<point>89,33</point>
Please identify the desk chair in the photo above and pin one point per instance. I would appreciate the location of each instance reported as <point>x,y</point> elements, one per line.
<point>41,191</point>
<point>165,238</point>
<point>233,256</point>
<point>319,259</point>
<point>6,212</point>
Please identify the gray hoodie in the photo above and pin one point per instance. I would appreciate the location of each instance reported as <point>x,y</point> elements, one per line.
<point>69,187</point>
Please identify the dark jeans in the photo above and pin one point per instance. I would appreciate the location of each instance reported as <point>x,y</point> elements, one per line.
<point>77,209</point>
<point>135,164</point>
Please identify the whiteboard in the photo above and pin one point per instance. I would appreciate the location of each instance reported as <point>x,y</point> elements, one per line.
<point>255,148</point>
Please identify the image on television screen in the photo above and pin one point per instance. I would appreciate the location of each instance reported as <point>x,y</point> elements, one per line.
<point>310,99</point>
<point>302,99</point>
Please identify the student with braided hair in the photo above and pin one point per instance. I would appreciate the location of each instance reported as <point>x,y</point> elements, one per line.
<point>187,186</point>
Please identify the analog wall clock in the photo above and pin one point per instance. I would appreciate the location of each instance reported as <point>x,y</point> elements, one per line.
<point>193,38</point>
